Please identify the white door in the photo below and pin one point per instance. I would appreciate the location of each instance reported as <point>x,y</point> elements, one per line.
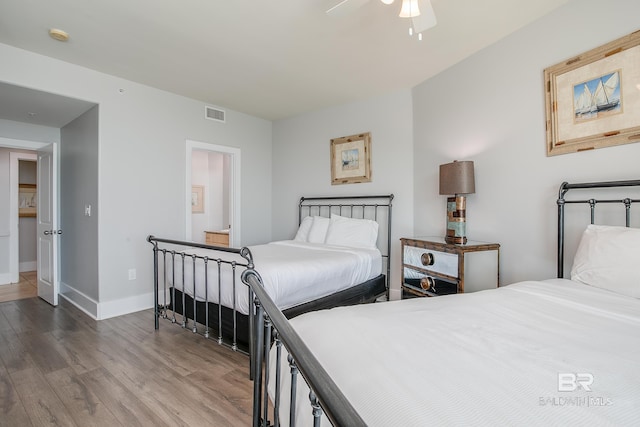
<point>48,233</point>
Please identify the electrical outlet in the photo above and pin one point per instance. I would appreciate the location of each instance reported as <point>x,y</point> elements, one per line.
<point>87,210</point>
<point>132,274</point>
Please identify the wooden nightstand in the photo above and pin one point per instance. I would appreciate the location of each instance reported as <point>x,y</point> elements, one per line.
<point>432,267</point>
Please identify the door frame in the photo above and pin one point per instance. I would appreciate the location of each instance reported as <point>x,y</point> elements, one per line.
<point>234,187</point>
<point>14,158</point>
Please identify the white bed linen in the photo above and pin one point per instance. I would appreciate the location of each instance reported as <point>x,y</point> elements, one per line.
<point>293,272</point>
<point>488,358</point>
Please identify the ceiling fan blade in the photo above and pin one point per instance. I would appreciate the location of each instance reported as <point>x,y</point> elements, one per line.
<point>345,7</point>
<point>426,19</point>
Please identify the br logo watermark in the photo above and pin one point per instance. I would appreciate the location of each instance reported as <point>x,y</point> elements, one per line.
<point>575,382</point>
<point>568,381</point>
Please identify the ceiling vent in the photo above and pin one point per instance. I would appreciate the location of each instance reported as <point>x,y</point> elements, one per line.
<point>216,114</point>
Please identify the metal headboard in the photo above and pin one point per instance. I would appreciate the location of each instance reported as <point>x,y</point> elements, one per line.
<point>565,187</point>
<point>364,207</point>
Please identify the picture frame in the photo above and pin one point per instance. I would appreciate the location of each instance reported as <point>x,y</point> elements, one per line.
<point>27,200</point>
<point>197,199</point>
<point>591,99</point>
<point>351,159</point>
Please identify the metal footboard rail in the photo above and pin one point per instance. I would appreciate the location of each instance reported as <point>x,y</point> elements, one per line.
<point>325,396</point>
<point>177,257</point>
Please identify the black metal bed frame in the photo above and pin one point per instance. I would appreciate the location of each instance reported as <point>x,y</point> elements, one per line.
<point>325,397</point>
<point>369,210</point>
<point>565,187</point>
<point>186,302</point>
<point>231,328</point>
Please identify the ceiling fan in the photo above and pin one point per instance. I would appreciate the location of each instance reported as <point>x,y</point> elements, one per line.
<point>420,12</point>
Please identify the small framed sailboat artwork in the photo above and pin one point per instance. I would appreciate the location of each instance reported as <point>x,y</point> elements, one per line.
<point>592,99</point>
<point>27,200</point>
<point>351,159</point>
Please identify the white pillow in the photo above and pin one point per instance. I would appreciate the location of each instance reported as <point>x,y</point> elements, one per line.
<point>357,233</point>
<point>609,257</point>
<point>318,230</point>
<point>303,231</point>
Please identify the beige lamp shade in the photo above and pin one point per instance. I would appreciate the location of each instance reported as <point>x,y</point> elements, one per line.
<point>457,178</point>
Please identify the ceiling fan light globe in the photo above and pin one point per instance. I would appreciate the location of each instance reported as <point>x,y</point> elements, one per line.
<point>387,1</point>
<point>409,9</point>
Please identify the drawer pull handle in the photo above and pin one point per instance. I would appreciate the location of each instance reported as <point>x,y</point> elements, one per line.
<point>427,283</point>
<point>427,258</point>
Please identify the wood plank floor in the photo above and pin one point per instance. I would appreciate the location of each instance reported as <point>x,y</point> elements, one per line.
<point>60,367</point>
<point>27,287</point>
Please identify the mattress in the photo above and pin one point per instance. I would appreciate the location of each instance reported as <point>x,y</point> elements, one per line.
<point>293,273</point>
<point>544,353</point>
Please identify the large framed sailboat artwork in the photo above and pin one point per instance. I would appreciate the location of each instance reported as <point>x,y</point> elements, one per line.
<point>593,100</point>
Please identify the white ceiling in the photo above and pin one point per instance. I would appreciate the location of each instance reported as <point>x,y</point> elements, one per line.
<point>272,59</point>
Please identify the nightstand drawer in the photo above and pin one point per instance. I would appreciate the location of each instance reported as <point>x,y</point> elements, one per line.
<point>439,262</point>
<point>432,267</point>
<point>428,286</point>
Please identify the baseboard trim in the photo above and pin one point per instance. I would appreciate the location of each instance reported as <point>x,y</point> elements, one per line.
<point>108,309</point>
<point>28,266</point>
<point>83,302</point>
<point>124,306</point>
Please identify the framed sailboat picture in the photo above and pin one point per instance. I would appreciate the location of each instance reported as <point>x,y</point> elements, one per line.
<point>592,100</point>
<point>351,159</point>
<point>27,200</point>
<point>197,199</point>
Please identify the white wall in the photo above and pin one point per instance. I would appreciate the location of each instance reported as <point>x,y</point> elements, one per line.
<point>78,176</point>
<point>490,109</point>
<point>301,165</point>
<point>142,136</point>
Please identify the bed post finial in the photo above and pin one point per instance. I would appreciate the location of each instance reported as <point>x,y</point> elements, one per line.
<point>246,254</point>
<point>560,255</point>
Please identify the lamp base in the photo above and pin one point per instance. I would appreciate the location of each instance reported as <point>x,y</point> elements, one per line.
<point>456,240</point>
<point>456,220</point>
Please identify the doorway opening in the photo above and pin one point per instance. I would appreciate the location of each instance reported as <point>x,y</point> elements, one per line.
<point>27,214</point>
<point>22,242</point>
<point>21,280</point>
<point>213,194</point>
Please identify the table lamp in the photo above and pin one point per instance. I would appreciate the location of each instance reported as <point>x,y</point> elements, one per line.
<point>457,179</point>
